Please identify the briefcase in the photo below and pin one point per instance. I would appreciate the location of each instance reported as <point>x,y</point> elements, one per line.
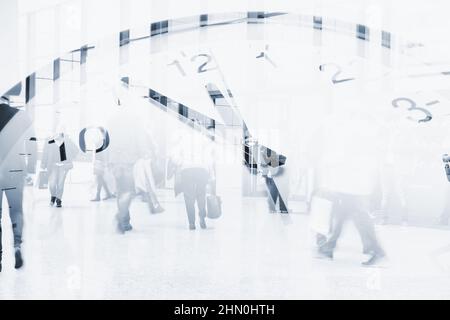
<point>213,207</point>
<point>321,215</point>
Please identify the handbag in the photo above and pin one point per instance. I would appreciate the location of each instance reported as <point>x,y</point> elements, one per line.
<point>320,215</point>
<point>213,207</point>
<point>42,180</point>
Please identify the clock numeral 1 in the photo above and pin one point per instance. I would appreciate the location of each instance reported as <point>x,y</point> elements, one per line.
<point>177,64</point>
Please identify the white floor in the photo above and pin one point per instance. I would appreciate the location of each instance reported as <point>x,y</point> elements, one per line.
<point>75,253</point>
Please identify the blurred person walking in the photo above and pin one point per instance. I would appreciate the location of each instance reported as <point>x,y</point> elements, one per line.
<point>100,169</point>
<point>57,159</point>
<point>348,171</point>
<point>193,157</point>
<point>129,143</point>
<point>18,156</point>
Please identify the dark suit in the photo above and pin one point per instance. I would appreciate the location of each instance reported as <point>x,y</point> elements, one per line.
<point>17,157</point>
<point>192,182</point>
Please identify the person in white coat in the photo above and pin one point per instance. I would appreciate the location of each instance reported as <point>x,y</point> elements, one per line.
<point>57,159</point>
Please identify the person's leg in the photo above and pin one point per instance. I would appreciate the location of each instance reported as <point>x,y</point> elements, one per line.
<point>104,185</point>
<point>125,192</point>
<point>61,181</point>
<point>200,194</point>
<point>320,239</point>
<point>15,202</point>
<point>187,184</point>
<point>1,239</point>
<point>154,205</point>
<point>99,188</point>
<point>366,229</point>
<point>123,205</point>
<point>146,197</point>
<point>150,196</point>
<point>201,203</point>
<point>339,216</point>
<point>52,184</point>
<point>189,201</point>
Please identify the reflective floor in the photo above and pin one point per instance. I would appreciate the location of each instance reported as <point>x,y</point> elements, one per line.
<point>75,252</point>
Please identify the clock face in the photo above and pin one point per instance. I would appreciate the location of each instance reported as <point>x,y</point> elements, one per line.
<point>346,106</point>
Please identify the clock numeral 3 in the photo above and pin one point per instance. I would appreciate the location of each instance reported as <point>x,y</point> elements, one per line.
<point>413,107</point>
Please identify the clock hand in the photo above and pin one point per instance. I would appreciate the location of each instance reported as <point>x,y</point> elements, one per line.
<point>191,117</point>
<point>183,113</point>
<point>264,54</point>
<point>256,157</point>
<point>214,93</point>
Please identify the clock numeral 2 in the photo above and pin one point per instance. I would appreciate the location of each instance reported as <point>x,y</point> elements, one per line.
<point>335,79</point>
<point>413,107</point>
<point>201,68</point>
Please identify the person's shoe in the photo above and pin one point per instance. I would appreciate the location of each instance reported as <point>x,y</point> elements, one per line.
<point>203,223</point>
<point>374,259</point>
<point>120,229</point>
<point>158,209</point>
<point>58,203</point>
<point>322,254</point>
<point>52,201</point>
<point>110,196</point>
<point>19,260</point>
<point>192,227</point>
<point>320,240</point>
<point>97,199</point>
